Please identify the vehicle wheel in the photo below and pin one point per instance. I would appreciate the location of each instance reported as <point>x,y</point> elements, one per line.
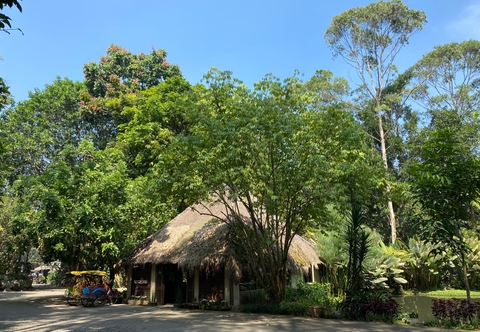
<point>114,300</point>
<point>100,300</point>
<point>86,302</point>
<point>112,297</point>
<point>73,299</point>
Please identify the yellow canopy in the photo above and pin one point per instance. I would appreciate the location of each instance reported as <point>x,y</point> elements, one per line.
<point>90,272</point>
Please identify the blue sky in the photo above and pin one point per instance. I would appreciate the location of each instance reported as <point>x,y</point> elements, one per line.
<point>250,37</point>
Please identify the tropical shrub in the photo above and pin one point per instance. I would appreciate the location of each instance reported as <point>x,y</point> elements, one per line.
<point>55,277</point>
<point>473,260</point>
<point>333,253</point>
<point>385,265</point>
<point>312,293</point>
<point>424,265</point>
<point>455,310</point>
<point>370,306</point>
<point>298,300</point>
<point>297,308</point>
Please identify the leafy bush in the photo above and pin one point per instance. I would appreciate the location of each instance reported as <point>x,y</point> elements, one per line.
<point>297,308</point>
<point>455,310</point>
<point>255,297</point>
<point>55,277</point>
<point>370,306</point>
<point>311,293</point>
<point>298,300</point>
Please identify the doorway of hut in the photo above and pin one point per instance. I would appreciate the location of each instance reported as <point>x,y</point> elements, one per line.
<point>175,288</point>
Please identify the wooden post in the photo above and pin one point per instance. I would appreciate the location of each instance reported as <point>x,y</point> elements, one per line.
<point>226,286</point>
<point>196,287</point>
<point>153,284</point>
<point>128,274</point>
<point>236,294</point>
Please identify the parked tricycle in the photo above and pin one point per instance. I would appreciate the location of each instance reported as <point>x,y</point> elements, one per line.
<point>88,288</point>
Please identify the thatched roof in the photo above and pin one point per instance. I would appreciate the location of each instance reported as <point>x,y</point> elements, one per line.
<point>195,239</point>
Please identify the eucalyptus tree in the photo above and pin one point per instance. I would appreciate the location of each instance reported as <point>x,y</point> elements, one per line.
<point>369,38</point>
<point>271,151</point>
<point>330,89</point>
<point>448,78</point>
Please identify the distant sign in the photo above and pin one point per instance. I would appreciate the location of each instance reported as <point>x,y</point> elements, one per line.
<point>141,282</point>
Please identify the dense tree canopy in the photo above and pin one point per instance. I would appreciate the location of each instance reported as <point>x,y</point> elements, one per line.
<point>113,82</point>
<point>446,182</point>
<point>91,168</point>
<point>449,77</point>
<point>38,129</point>
<point>273,151</point>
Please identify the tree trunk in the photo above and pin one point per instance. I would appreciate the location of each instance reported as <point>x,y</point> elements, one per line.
<point>391,212</point>
<point>465,277</point>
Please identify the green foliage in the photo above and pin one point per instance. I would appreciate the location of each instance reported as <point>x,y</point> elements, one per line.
<point>446,181</point>
<point>311,293</point>
<point>298,301</point>
<point>4,93</point>
<point>157,114</point>
<point>135,71</point>
<point>55,277</point>
<point>369,38</point>
<point>359,243</point>
<point>112,84</point>
<point>333,253</point>
<point>258,149</point>
<point>370,306</point>
<point>4,19</point>
<point>385,266</point>
<point>329,90</point>
<point>74,207</point>
<point>36,130</point>
<point>297,308</point>
<point>448,77</point>
<point>425,264</point>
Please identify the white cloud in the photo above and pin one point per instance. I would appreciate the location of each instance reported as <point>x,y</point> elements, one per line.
<point>467,26</point>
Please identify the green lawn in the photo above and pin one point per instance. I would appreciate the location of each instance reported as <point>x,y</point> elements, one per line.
<point>449,293</point>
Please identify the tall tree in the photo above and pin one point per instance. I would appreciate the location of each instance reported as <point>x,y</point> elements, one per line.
<point>111,84</point>
<point>157,115</point>
<point>271,151</point>
<point>37,129</point>
<point>449,77</point>
<point>74,207</point>
<point>369,39</point>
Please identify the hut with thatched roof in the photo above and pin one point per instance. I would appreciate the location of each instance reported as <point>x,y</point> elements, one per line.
<point>193,258</point>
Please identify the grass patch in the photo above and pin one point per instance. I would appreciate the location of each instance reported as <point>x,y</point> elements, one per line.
<point>447,294</point>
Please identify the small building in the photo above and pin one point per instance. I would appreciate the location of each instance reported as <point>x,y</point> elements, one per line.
<point>193,258</point>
